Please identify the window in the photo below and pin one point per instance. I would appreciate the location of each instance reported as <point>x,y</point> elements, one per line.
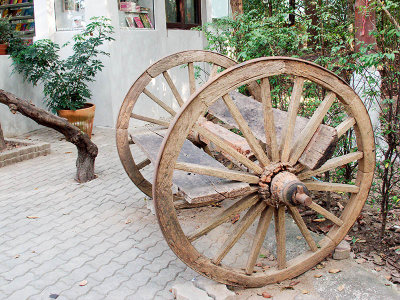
<point>136,14</point>
<point>183,14</point>
<point>70,14</point>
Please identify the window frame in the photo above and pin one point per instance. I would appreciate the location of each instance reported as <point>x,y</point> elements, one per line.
<point>180,4</point>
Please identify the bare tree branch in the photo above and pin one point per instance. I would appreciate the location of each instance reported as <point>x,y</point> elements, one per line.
<point>87,150</point>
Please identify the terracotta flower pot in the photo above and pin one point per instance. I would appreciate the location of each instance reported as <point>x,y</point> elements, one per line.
<point>81,118</point>
<point>3,49</point>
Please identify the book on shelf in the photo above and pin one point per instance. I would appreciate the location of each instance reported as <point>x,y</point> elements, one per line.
<point>138,22</point>
<point>146,21</point>
<point>129,21</point>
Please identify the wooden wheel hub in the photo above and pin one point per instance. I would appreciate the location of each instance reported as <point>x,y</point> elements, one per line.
<point>278,184</point>
<point>284,189</point>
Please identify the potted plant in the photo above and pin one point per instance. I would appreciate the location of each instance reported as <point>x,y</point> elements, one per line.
<point>5,35</point>
<point>65,80</point>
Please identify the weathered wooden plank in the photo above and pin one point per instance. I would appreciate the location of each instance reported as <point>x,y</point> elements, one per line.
<point>193,188</point>
<point>314,155</point>
<point>234,140</point>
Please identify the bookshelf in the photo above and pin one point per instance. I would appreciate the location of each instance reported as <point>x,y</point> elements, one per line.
<point>21,15</point>
<point>136,14</point>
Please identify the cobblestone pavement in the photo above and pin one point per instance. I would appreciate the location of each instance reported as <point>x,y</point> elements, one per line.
<point>55,233</point>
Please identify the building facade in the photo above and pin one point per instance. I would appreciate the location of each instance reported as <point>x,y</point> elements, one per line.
<point>133,50</point>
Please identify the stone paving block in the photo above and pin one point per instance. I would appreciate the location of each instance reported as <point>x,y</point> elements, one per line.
<point>120,293</point>
<point>187,291</point>
<point>23,293</point>
<point>342,251</point>
<point>214,289</point>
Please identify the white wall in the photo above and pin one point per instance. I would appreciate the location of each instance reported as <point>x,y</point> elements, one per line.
<point>131,53</point>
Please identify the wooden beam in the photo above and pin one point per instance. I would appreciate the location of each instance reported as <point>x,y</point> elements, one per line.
<point>220,143</point>
<point>216,172</point>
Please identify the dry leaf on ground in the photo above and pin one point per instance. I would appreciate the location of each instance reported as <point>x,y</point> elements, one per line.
<point>83,283</point>
<point>334,271</point>
<point>318,275</point>
<point>304,292</point>
<point>293,283</point>
<point>266,295</point>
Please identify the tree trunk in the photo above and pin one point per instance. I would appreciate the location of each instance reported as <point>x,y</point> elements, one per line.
<point>311,12</point>
<point>292,16</point>
<point>2,141</point>
<point>364,24</point>
<point>87,150</point>
<point>237,7</point>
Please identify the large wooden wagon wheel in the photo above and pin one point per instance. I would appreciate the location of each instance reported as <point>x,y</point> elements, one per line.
<point>142,87</point>
<point>279,176</point>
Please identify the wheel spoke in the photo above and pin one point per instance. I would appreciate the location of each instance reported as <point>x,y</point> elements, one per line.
<point>159,102</point>
<point>303,228</point>
<point>214,72</point>
<point>307,133</point>
<point>192,80</point>
<point>220,143</point>
<point>345,125</point>
<point>224,216</point>
<point>217,172</point>
<point>332,164</point>
<point>173,88</point>
<point>292,114</point>
<point>269,124</point>
<point>240,228</point>
<point>143,164</point>
<point>280,234</point>
<point>262,228</point>
<point>245,129</point>
<point>322,211</point>
<point>150,120</point>
<point>331,187</point>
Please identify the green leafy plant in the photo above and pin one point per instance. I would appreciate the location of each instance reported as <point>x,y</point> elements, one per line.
<point>65,80</point>
<point>5,31</point>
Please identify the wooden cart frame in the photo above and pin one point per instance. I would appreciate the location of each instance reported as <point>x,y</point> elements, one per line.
<point>277,155</point>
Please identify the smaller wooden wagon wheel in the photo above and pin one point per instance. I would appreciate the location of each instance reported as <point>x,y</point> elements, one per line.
<point>142,87</point>
<point>282,175</point>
